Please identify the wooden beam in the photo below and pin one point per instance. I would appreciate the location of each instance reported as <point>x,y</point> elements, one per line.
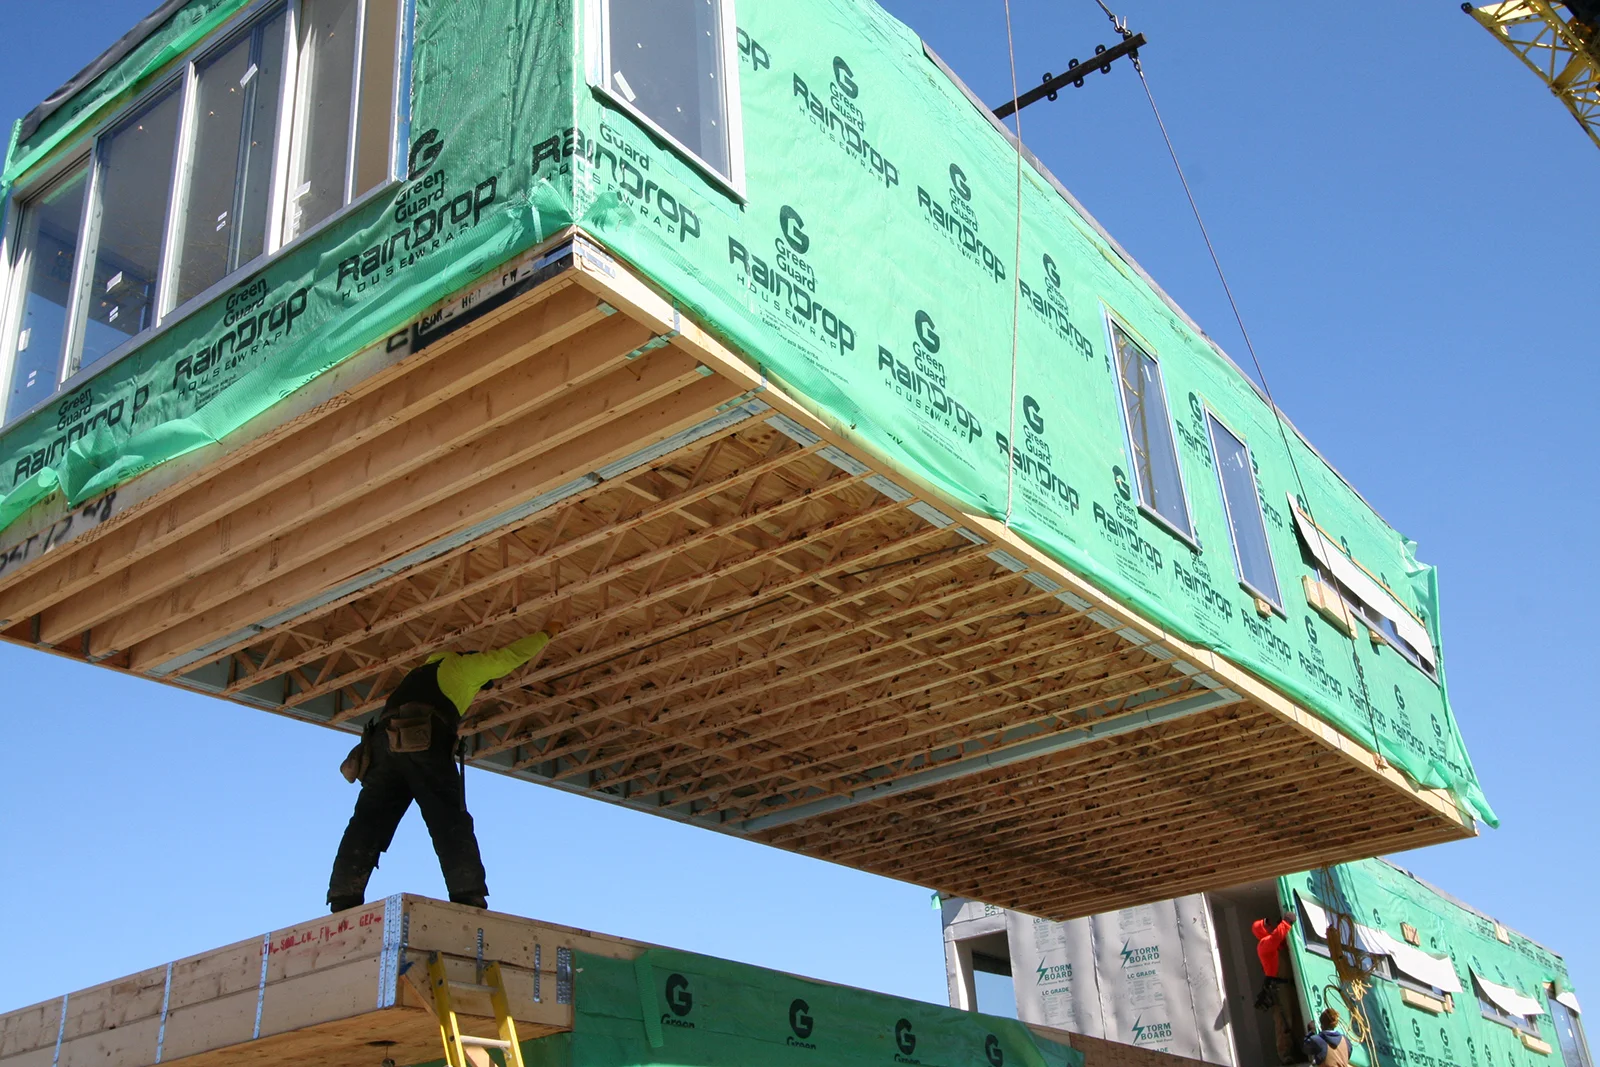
<point>175,629</point>
<point>594,581</point>
<point>262,467</point>
<point>413,456</point>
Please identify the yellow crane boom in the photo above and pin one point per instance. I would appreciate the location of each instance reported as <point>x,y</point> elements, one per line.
<point>1560,42</point>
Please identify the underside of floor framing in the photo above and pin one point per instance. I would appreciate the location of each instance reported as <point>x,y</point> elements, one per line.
<point>767,632</point>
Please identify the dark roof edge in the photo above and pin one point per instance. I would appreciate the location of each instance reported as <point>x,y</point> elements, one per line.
<point>1044,172</point>
<point>1464,906</point>
<point>101,63</point>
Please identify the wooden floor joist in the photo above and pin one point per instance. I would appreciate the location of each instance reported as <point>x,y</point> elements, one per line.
<point>768,632</point>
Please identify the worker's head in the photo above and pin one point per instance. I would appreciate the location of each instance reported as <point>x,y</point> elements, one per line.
<point>1260,929</point>
<point>1329,1018</point>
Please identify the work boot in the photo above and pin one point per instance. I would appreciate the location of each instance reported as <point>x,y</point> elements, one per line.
<point>471,900</point>
<point>338,904</point>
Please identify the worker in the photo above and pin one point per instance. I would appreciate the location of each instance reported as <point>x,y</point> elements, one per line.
<point>1329,1048</point>
<point>405,754</point>
<point>1277,994</point>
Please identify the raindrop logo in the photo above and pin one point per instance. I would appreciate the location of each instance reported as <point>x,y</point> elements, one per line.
<point>926,334</point>
<point>794,229</point>
<point>1051,275</point>
<point>1399,699</point>
<point>1121,478</point>
<point>1311,631</point>
<point>1032,415</point>
<point>845,78</point>
<point>904,1039</point>
<point>993,1052</point>
<point>424,151</point>
<point>679,999</point>
<point>958,182</point>
<point>800,1020</point>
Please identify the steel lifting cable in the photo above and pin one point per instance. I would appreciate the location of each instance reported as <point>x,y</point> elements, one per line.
<point>1016,281</point>
<point>1277,413</point>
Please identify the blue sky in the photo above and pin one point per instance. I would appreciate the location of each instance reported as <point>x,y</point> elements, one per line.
<point>1408,222</point>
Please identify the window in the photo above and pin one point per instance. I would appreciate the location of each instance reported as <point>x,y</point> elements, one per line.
<point>1364,597</point>
<point>671,63</point>
<point>1569,1034</point>
<point>1236,474</point>
<point>344,124</point>
<point>46,267</point>
<point>287,117</point>
<point>127,228</point>
<point>223,224</point>
<point>1155,457</point>
<point>1507,1006</point>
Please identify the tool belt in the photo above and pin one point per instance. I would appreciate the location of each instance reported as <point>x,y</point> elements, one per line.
<point>1267,999</point>
<point>407,729</point>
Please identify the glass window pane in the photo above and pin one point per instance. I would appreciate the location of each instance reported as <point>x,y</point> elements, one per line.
<point>375,116</point>
<point>49,244</point>
<point>1244,511</point>
<point>666,60</point>
<point>230,170</point>
<point>135,181</point>
<point>322,137</point>
<point>1569,1035</point>
<point>1155,457</point>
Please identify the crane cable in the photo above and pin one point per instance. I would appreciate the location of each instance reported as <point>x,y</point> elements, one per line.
<point>1121,26</point>
<point>1016,282</point>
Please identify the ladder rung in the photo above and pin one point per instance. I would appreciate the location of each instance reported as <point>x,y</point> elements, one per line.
<point>485,1042</point>
<point>472,987</point>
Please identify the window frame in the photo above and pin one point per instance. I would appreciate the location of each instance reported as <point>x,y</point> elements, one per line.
<point>1114,324</point>
<point>86,149</point>
<point>598,70</point>
<point>1227,511</point>
<point>16,264</point>
<point>1581,1040</point>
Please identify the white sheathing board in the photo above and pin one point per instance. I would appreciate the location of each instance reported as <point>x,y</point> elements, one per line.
<point>1052,970</point>
<point>1138,958</point>
<point>969,918</point>
<point>1147,976</point>
<point>1202,961</point>
<point>1355,579</point>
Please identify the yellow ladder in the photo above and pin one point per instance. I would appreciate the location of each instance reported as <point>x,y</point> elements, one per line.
<point>491,983</point>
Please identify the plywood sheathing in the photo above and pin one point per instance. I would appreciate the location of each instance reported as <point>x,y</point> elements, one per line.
<point>768,631</point>
<point>338,991</point>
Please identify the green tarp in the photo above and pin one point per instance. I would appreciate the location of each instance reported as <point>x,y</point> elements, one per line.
<point>694,1011</point>
<point>1385,899</point>
<point>871,268</point>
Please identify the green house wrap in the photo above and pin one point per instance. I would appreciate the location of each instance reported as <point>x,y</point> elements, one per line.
<point>848,219</point>
<point>676,1008</point>
<point>1452,987</point>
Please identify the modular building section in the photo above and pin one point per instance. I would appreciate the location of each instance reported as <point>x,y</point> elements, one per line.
<point>1448,985</point>
<point>337,331</point>
<point>355,989</point>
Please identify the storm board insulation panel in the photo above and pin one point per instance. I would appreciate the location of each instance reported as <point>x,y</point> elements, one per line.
<point>1144,976</point>
<point>869,268</point>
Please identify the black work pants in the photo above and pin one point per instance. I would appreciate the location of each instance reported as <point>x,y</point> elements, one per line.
<point>393,781</point>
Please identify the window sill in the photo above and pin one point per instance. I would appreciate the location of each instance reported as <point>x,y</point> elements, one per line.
<point>1422,1001</point>
<point>195,304</point>
<point>1534,1044</point>
<point>1166,524</point>
<point>1274,607</point>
